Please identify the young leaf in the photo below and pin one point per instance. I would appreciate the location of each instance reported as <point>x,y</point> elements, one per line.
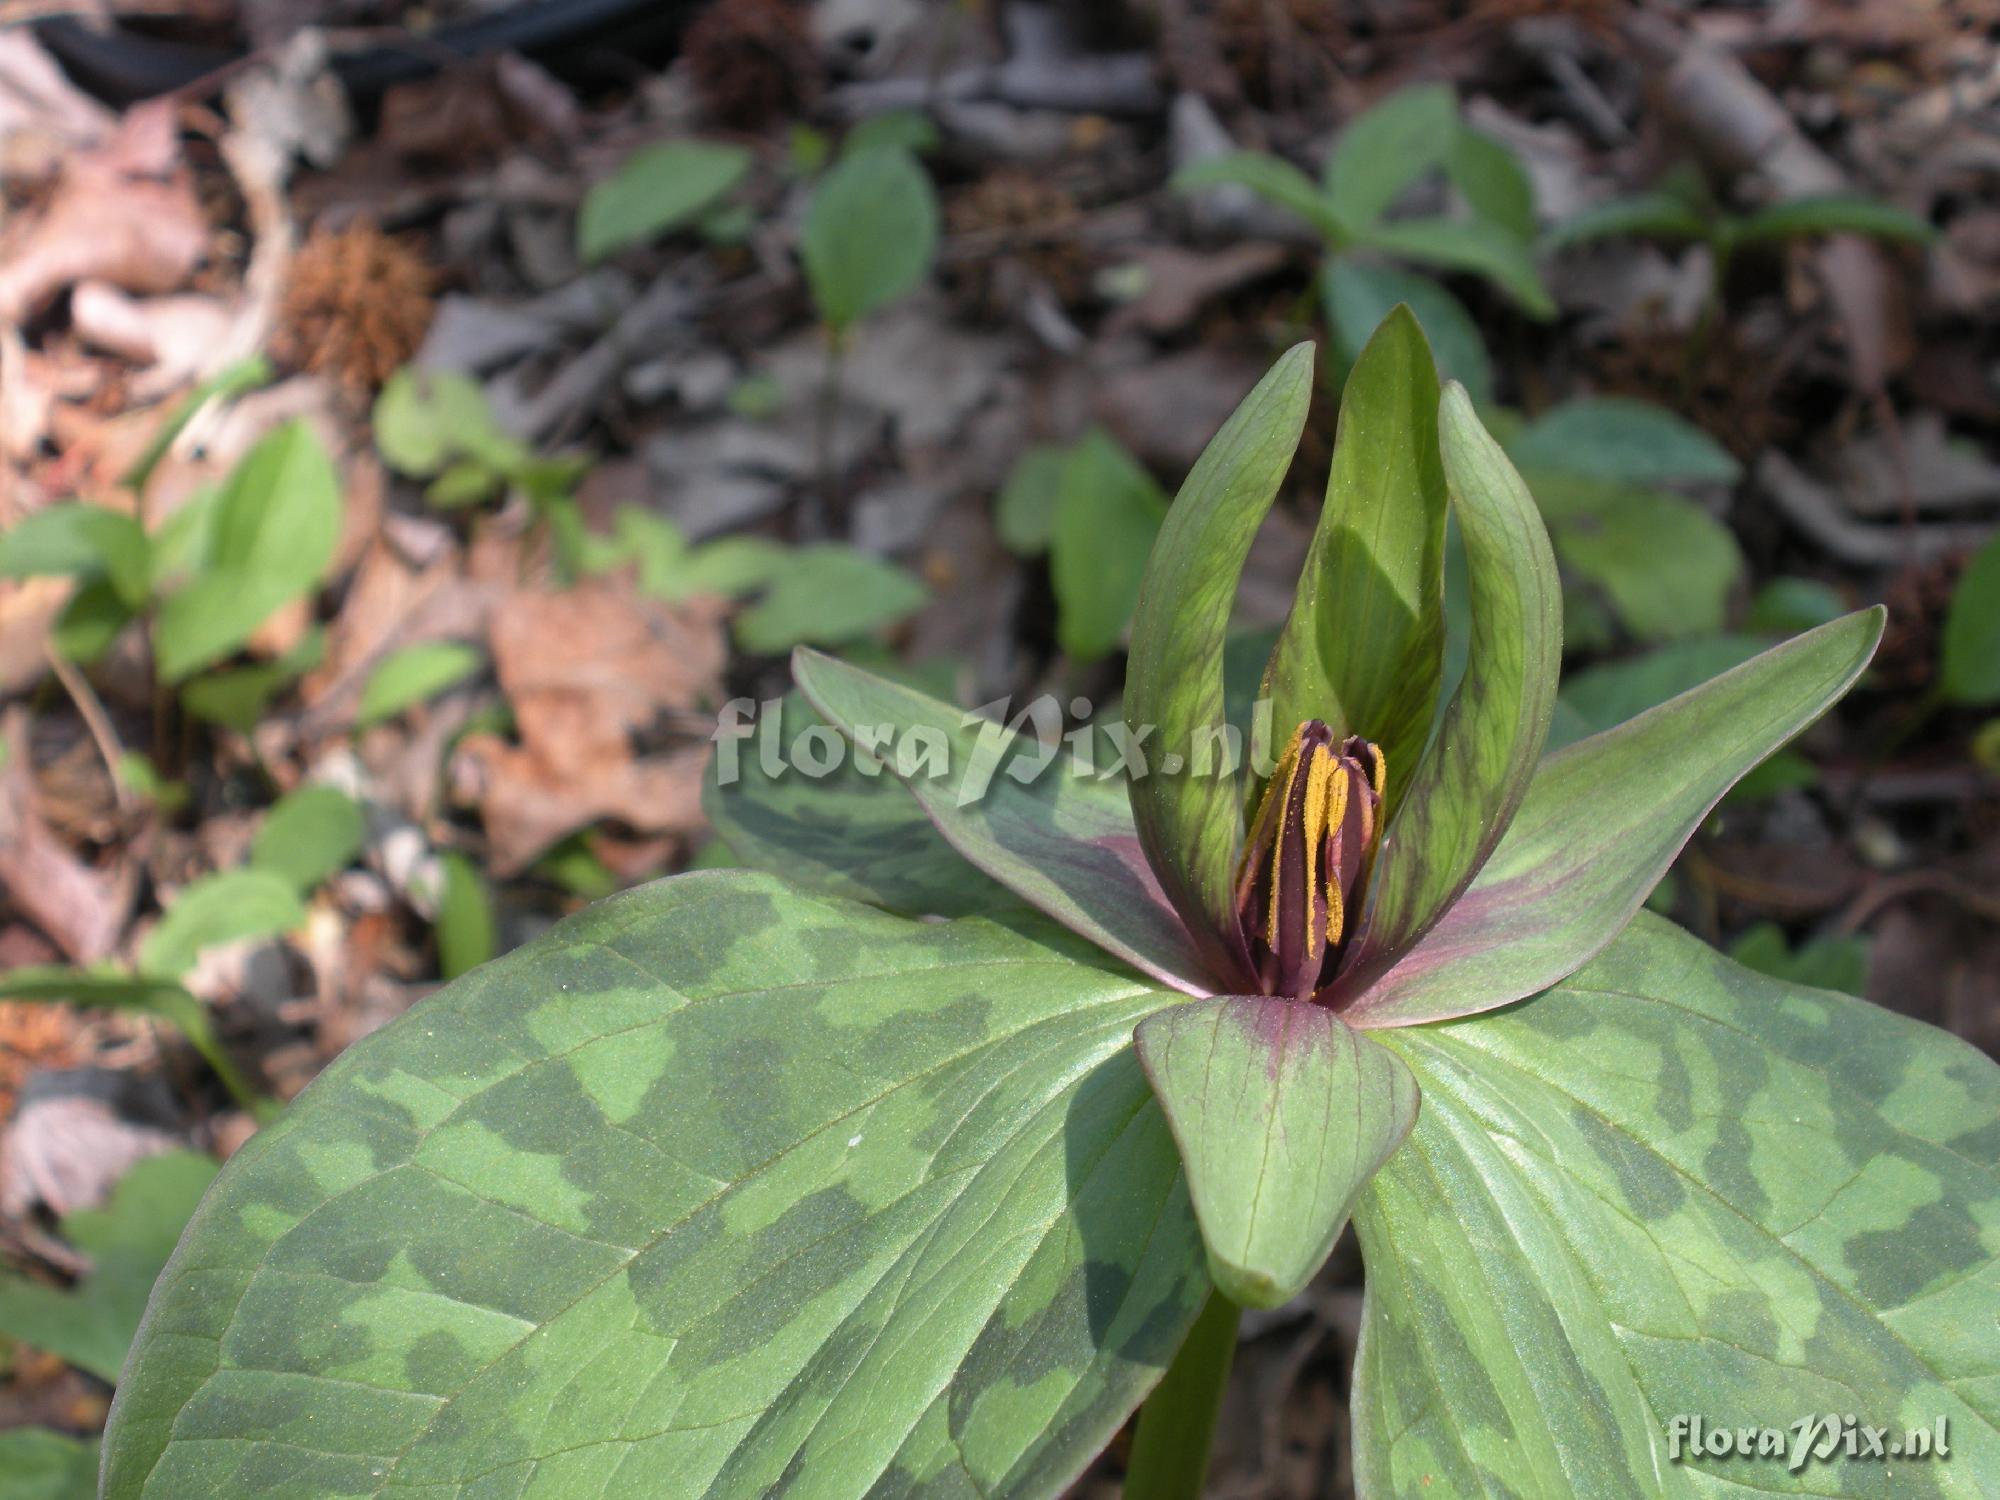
<point>1788,606</point>
<point>825,595</point>
<point>1060,840</point>
<point>1657,215</point>
<point>1282,1114</point>
<point>1491,179</point>
<point>1969,668</point>
<point>91,621</point>
<point>76,540</point>
<point>37,1464</point>
<point>1665,563</point>
<point>308,835</point>
<point>466,933</point>
<point>225,908</point>
<point>1670,1186</point>
<point>1833,962</point>
<point>1601,823</point>
<point>239,697</point>
<point>126,1242</point>
<point>113,990</point>
<point>1474,245</point>
<point>434,423</point>
<point>1830,213</point>
<point>1358,296</point>
<point>1618,438</point>
<point>416,674</point>
<point>870,233</point>
<point>1464,792</point>
<point>1108,512</point>
<point>837,1193</point>
<point>1387,148</point>
<point>1363,646</point>
<point>276,523</point>
<point>1024,512</point>
<point>233,380</point>
<point>1273,179</point>
<point>654,190</point>
<point>897,129</point>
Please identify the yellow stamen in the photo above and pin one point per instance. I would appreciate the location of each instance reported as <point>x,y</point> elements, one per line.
<point>1326,805</point>
<point>1336,912</point>
<point>1291,760</point>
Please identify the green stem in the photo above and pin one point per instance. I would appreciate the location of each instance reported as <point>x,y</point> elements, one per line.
<point>1177,1423</point>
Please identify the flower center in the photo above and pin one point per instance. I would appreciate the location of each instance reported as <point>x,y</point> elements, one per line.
<point>1305,866</point>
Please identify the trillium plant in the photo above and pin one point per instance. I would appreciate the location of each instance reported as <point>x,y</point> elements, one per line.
<point>915,1158</point>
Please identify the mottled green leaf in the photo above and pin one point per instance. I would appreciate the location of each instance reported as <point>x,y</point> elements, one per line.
<point>125,1243</point>
<point>1363,646</point>
<point>1282,1114</point>
<point>1190,825</point>
<point>75,540</point>
<point>856,832</point>
<point>1271,178</point>
<point>415,674</point>
<point>1476,245</point>
<point>1600,824</point>
<point>308,835</point>
<point>1359,296</point>
<point>1969,670</point>
<point>276,523</point>
<point>1060,839</point>
<point>1619,438</point>
<point>36,1464</point>
<point>715,1190</point>
<point>1830,213</point>
<point>1385,149</point>
<point>225,908</point>
<point>1464,792</point>
<point>871,231</point>
<point>654,190</point>
<point>1108,513</point>
<point>1670,1186</point>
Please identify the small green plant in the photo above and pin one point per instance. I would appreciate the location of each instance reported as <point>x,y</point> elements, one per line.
<point>1094,510</point>
<point>1379,157</point>
<point>730,1186</point>
<point>91,1325</point>
<point>1682,208</point>
<point>659,189</point>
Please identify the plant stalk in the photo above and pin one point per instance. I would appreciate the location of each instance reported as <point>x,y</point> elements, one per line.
<point>1177,1423</point>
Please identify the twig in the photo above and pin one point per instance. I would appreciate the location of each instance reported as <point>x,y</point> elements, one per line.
<point>1892,888</point>
<point>102,732</point>
<point>1815,512</point>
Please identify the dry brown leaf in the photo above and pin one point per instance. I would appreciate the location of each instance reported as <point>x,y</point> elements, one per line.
<point>585,670</point>
<point>124,213</point>
<point>81,910</point>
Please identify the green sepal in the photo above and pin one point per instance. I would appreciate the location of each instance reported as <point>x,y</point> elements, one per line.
<point>1282,1113</point>
<point>1363,647</point>
<point>1191,826</point>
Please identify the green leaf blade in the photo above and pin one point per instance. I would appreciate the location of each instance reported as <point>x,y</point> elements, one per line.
<point>1669,1186</point>
<point>1271,178</point>
<point>1363,646</point>
<point>1065,843</point>
<point>1476,245</point>
<point>1602,821</point>
<point>415,674</point>
<point>830,1192</point>
<point>1282,1114</point>
<point>1832,213</point>
<point>1191,826</point>
<point>76,540</point>
<point>1387,148</point>
<point>308,835</point>
<point>871,232</point>
<point>655,190</point>
<point>1108,512</point>
<point>1622,439</point>
<point>226,908</point>
<point>276,524</point>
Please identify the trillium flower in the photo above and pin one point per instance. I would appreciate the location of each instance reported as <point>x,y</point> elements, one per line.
<point>1412,857</point>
